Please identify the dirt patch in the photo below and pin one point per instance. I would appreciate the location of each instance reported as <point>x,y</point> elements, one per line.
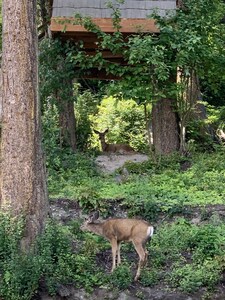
<point>109,163</point>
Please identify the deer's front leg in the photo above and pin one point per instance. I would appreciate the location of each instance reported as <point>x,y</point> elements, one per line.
<point>118,253</point>
<point>114,251</point>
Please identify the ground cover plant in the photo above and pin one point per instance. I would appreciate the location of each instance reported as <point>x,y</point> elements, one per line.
<point>160,183</point>
<point>183,255</point>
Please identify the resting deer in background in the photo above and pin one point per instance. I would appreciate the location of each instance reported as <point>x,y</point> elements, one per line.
<point>112,147</point>
<point>118,230</point>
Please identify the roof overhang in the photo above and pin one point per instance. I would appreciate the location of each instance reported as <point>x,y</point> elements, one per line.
<point>66,29</point>
<point>128,26</point>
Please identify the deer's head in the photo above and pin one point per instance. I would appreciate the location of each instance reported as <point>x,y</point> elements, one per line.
<point>87,225</point>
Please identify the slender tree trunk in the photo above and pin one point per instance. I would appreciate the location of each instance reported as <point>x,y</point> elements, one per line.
<point>44,16</point>
<point>23,188</point>
<point>148,126</point>
<point>68,124</point>
<point>165,127</point>
<point>67,120</point>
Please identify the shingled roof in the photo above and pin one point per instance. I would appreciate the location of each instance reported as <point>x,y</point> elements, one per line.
<point>130,9</point>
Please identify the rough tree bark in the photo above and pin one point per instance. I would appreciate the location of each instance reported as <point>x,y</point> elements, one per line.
<point>67,123</point>
<point>67,120</point>
<point>44,16</point>
<point>165,127</point>
<point>23,188</point>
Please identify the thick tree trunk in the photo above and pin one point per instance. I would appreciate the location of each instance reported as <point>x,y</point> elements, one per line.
<point>0,108</point>
<point>165,127</point>
<point>23,188</point>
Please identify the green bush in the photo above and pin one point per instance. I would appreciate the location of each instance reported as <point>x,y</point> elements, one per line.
<point>20,273</point>
<point>11,231</point>
<point>206,243</point>
<point>53,261</point>
<point>193,253</point>
<point>121,277</point>
<point>190,278</point>
<point>61,265</point>
<point>20,277</point>
<point>149,277</point>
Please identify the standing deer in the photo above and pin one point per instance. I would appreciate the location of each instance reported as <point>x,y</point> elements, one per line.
<point>118,230</point>
<point>112,147</point>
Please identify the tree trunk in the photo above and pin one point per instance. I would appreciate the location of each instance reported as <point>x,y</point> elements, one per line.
<point>165,127</point>
<point>0,108</point>
<point>68,124</point>
<point>44,16</point>
<point>23,188</point>
<point>148,126</point>
<point>67,120</point>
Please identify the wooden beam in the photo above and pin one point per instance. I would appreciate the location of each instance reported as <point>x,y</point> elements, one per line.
<point>58,24</point>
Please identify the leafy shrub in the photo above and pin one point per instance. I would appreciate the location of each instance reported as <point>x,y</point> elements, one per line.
<point>148,210</point>
<point>62,266</point>
<point>190,278</point>
<point>155,164</point>
<point>51,134</point>
<point>20,272</point>
<point>169,242</point>
<point>206,243</point>
<point>193,253</point>
<point>74,170</point>
<point>11,231</point>
<point>53,261</point>
<point>86,105</point>
<point>20,277</point>
<point>149,277</point>
<point>121,277</point>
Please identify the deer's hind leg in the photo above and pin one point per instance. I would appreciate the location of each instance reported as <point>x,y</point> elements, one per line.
<point>142,257</point>
<point>146,252</point>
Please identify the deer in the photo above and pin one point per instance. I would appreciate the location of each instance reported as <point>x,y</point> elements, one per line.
<point>123,148</point>
<point>120,230</point>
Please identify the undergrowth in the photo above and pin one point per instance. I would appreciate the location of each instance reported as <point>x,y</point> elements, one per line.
<point>158,183</point>
<point>181,255</point>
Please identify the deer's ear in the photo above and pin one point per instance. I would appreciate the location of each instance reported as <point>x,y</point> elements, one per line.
<point>93,217</point>
<point>96,131</point>
<point>106,131</point>
<point>97,214</point>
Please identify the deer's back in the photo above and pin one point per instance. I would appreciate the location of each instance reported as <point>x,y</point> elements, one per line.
<point>118,148</point>
<point>126,229</point>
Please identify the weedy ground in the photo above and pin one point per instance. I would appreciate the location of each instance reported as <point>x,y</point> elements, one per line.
<point>185,205</point>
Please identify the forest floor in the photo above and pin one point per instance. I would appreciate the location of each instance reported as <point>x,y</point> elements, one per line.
<point>64,210</point>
